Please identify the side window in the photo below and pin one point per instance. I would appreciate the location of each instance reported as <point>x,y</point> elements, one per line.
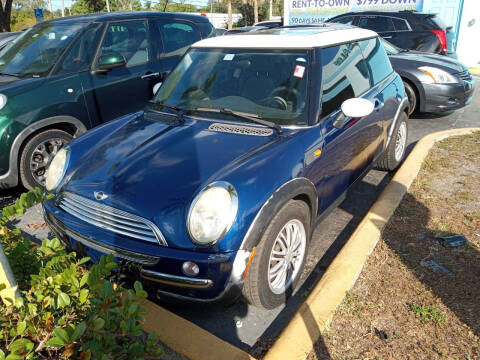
<point>376,23</point>
<point>348,20</point>
<point>207,29</point>
<point>80,55</point>
<point>377,60</point>
<point>344,76</point>
<point>130,39</point>
<point>400,24</point>
<point>177,36</point>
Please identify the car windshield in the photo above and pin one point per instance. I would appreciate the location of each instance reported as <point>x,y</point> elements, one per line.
<point>389,47</point>
<point>36,51</point>
<point>267,84</point>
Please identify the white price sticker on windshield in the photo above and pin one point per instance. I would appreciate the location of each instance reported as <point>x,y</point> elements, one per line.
<point>229,57</point>
<point>51,36</point>
<point>299,71</point>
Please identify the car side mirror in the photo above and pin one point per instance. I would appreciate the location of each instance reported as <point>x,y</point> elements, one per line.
<point>156,87</point>
<point>353,108</point>
<point>111,61</point>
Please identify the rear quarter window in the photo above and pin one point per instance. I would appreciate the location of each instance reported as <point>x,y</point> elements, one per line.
<point>344,75</point>
<point>400,24</point>
<point>379,65</point>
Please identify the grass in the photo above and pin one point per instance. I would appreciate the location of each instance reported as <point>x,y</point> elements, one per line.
<point>427,313</point>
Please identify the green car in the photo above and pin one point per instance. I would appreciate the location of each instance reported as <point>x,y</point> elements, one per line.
<point>65,76</point>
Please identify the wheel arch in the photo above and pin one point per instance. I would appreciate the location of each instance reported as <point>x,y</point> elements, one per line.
<point>402,108</point>
<point>66,123</point>
<point>296,189</point>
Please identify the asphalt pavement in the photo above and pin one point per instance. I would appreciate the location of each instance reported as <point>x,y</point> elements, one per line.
<point>252,329</point>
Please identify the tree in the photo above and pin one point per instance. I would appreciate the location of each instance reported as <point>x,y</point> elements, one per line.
<point>5,14</point>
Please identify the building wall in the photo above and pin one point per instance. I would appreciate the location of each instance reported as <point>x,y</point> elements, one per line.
<point>468,48</point>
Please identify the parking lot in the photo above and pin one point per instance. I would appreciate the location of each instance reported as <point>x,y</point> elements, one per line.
<point>250,328</point>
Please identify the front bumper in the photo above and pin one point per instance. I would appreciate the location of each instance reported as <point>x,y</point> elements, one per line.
<point>220,276</point>
<point>447,97</point>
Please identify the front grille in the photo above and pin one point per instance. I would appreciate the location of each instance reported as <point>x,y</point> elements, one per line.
<point>111,219</point>
<point>240,129</point>
<point>465,75</point>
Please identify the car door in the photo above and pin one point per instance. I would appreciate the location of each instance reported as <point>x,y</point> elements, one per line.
<point>345,75</point>
<point>384,94</point>
<point>176,37</point>
<point>381,24</point>
<point>124,89</point>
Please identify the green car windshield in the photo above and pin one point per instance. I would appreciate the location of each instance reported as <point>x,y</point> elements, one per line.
<point>266,84</point>
<point>35,52</point>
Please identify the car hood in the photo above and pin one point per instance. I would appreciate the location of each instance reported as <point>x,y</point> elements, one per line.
<point>426,59</point>
<point>153,167</point>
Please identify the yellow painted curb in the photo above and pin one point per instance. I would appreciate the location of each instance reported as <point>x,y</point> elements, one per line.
<point>305,328</point>
<point>475,70</point>
<point>187,338</point>
<point>10,293</point>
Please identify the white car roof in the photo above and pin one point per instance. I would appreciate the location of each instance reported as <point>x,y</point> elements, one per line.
<point>289,38</point>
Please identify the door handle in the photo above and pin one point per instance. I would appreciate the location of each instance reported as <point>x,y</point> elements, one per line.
<point>387,37</point>
<point>378,105</point>
<point>150,75</point>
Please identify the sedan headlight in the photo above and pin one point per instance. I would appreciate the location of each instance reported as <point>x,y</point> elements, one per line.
<point>3,101</point>
<point>437,76</point>
<point>57,168</point>
<point>212,213</point>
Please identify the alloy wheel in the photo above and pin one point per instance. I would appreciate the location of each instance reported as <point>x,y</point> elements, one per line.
<point>42,156</point>
<point>401,141</point>
<point>286,256</point>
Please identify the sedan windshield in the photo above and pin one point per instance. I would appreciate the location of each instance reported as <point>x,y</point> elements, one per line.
<point>265,84</point>
<point>36,51</point>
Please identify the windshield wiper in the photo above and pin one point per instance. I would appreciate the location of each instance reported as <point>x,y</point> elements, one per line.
<point>249,117</point>
<point>178,111</point>
<point>9,74</point>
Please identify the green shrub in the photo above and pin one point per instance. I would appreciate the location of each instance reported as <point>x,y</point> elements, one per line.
<point>65,310</point>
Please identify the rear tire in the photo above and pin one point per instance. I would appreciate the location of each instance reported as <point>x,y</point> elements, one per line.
<point>37,154</point>
<point>395,152</point>
<point>270,282</point>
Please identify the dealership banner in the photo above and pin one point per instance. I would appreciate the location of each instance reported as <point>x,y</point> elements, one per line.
<point>316,11</point>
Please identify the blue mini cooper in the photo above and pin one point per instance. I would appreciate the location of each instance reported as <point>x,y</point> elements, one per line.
<point>215,187</point>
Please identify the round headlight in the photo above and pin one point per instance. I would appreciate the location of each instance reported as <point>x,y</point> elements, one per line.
<point>56,170</point>
<point>3,101</point>
<point>212,213</point>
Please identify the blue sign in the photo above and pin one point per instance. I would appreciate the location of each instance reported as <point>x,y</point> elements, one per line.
<point>38,13</point>
<point>317,11</point>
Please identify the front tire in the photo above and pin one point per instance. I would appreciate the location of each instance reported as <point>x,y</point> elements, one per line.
<point>37,154</point>
<point>412,98</point>
<point>395,152</point>
<point>279,257</point>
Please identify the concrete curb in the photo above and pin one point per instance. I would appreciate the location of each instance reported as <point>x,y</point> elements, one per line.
<point>297,339</point>
<point>313,317</point>
<point>187,338</point>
